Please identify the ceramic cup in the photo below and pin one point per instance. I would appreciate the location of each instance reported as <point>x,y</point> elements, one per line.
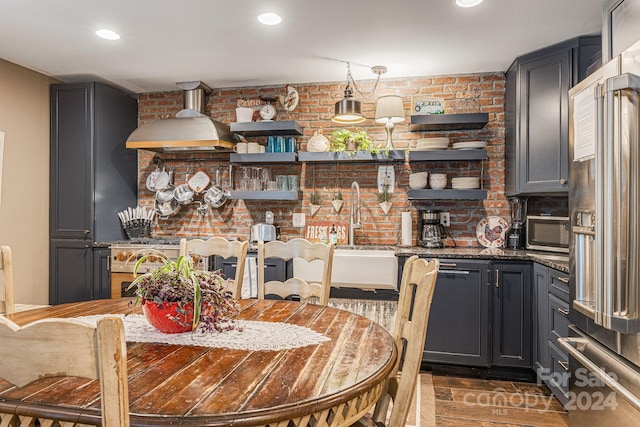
<point>241,147</point>
<point>244,114</point>
<point>253,147</point>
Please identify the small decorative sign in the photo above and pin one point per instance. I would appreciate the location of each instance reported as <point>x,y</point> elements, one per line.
<point>318,231</point>
<point>426,106</point>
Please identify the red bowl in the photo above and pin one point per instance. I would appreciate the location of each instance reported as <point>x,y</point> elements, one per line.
<point>160,316</point>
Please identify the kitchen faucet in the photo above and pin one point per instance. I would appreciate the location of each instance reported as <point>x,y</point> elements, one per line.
<point>352,214</point>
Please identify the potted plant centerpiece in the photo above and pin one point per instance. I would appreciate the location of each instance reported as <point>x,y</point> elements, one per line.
<point>176,297</point>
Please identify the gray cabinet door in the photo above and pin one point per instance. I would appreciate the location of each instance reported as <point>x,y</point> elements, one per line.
<point>540,324</point>
<point>458,329</point>
<point>71,212</point>
<point>71,271</point>
<point>536,115</point>
<point>101,273</point>
<point>544,130</point>
<point>512,306</point>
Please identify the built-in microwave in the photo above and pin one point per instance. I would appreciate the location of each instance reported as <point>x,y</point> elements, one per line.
<point>548,233</point>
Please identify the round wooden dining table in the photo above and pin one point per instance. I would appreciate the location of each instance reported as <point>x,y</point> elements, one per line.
<point>330,383</point>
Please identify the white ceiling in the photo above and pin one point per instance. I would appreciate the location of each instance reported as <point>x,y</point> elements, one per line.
<point>222,44</point>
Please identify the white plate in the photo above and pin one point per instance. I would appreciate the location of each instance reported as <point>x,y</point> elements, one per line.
<point>469,145</point>
<point>427,149</point>
<point>490,231</point>
<point>464,187</point>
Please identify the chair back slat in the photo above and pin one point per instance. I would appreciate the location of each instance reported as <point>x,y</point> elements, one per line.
<point>70,347</point>
<point>410,329</point>
<point>296,248</point>
<point>224,248</point>
<point>7,305</point>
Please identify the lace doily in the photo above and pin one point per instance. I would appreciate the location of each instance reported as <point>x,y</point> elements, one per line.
<point>251,335</point>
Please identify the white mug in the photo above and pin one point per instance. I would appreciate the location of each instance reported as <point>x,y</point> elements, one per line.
<point>240,147</point>
<point>253,147</point>
<point>244,114</point>
<point>262,148</point>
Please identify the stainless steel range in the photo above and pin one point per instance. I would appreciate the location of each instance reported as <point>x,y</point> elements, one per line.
<point>124,256</point>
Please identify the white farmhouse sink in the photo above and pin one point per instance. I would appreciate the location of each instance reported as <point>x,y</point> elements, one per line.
<point>354,268</point>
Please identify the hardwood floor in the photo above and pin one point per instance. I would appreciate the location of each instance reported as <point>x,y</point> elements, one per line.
<point>471,402</point>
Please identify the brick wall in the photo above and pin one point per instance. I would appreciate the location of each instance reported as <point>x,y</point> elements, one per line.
<point>460,93</point>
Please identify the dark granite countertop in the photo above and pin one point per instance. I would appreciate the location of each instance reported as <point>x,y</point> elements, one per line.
<point>556,261</point>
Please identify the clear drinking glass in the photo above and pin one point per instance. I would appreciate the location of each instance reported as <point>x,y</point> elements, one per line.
<point>294,182</point>
<point>283,182</point>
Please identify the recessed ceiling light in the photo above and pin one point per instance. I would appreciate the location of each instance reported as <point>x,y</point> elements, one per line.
<point>270,18</point>
<point>108,34</point>
<point>468,3</point>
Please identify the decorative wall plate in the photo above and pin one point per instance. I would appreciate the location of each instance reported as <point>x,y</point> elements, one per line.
<point>490,231</point>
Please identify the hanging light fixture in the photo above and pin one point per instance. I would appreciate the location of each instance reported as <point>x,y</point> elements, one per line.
<point>349,110</point>
<point>389,111</point>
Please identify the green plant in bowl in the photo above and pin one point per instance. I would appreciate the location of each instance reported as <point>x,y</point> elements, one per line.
<point>200,294</point>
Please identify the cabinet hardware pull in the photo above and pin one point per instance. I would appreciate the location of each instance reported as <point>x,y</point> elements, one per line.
<point>234,265</point>
<point>563,311</point>
<point>443,264</point>
<point>87,231</point>
<point>454,271</point>
<point>497,278</point>
<point>564,280</point>
<point>564,365</point>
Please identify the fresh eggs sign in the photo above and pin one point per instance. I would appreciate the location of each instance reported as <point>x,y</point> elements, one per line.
<point>318,231</point>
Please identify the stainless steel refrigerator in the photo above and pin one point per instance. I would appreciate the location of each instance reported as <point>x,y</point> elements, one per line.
<point>604,202</point>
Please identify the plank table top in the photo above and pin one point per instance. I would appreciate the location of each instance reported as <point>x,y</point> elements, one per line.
<point>332,383</point>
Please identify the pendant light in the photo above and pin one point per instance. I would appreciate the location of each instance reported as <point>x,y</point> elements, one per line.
<point>349,110</point>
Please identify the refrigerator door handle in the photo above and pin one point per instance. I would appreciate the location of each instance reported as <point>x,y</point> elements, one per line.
<point>574,347</point>
<point>599,247</point>
<point>622,82</point>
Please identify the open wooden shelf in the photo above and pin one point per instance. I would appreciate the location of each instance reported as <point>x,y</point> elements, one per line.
<point>428,122</point>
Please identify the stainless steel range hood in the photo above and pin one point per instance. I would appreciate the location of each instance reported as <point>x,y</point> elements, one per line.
<point>190,130</point>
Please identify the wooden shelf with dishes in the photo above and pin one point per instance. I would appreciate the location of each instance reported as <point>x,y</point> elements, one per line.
<point>429,122</point>
<point>265,195</point>
<point>428,194</point>
<point>447,155</point>
<point>263,157</point>
<point>351,156</point>
<point>268,128</point>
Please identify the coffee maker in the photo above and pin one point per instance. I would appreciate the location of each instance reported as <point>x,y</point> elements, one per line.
<point>515,236</point>
<point>432,233</point>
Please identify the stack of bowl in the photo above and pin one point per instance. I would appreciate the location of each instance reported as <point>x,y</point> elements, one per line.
<point>430,144</point>
<point>465,183</point>
<point>418,180</point>
<point>438,181</point>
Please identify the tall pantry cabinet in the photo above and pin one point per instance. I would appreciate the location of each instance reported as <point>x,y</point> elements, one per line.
<point>93,176</point>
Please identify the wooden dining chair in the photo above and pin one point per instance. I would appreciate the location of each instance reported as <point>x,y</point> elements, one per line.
<point>70,347</point>
<point>224,248</point>
<point>7,305</point>
<point>296,248</point>
<point>409,333</point>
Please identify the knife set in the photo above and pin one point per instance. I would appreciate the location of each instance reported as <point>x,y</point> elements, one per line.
<point>136,221</point>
